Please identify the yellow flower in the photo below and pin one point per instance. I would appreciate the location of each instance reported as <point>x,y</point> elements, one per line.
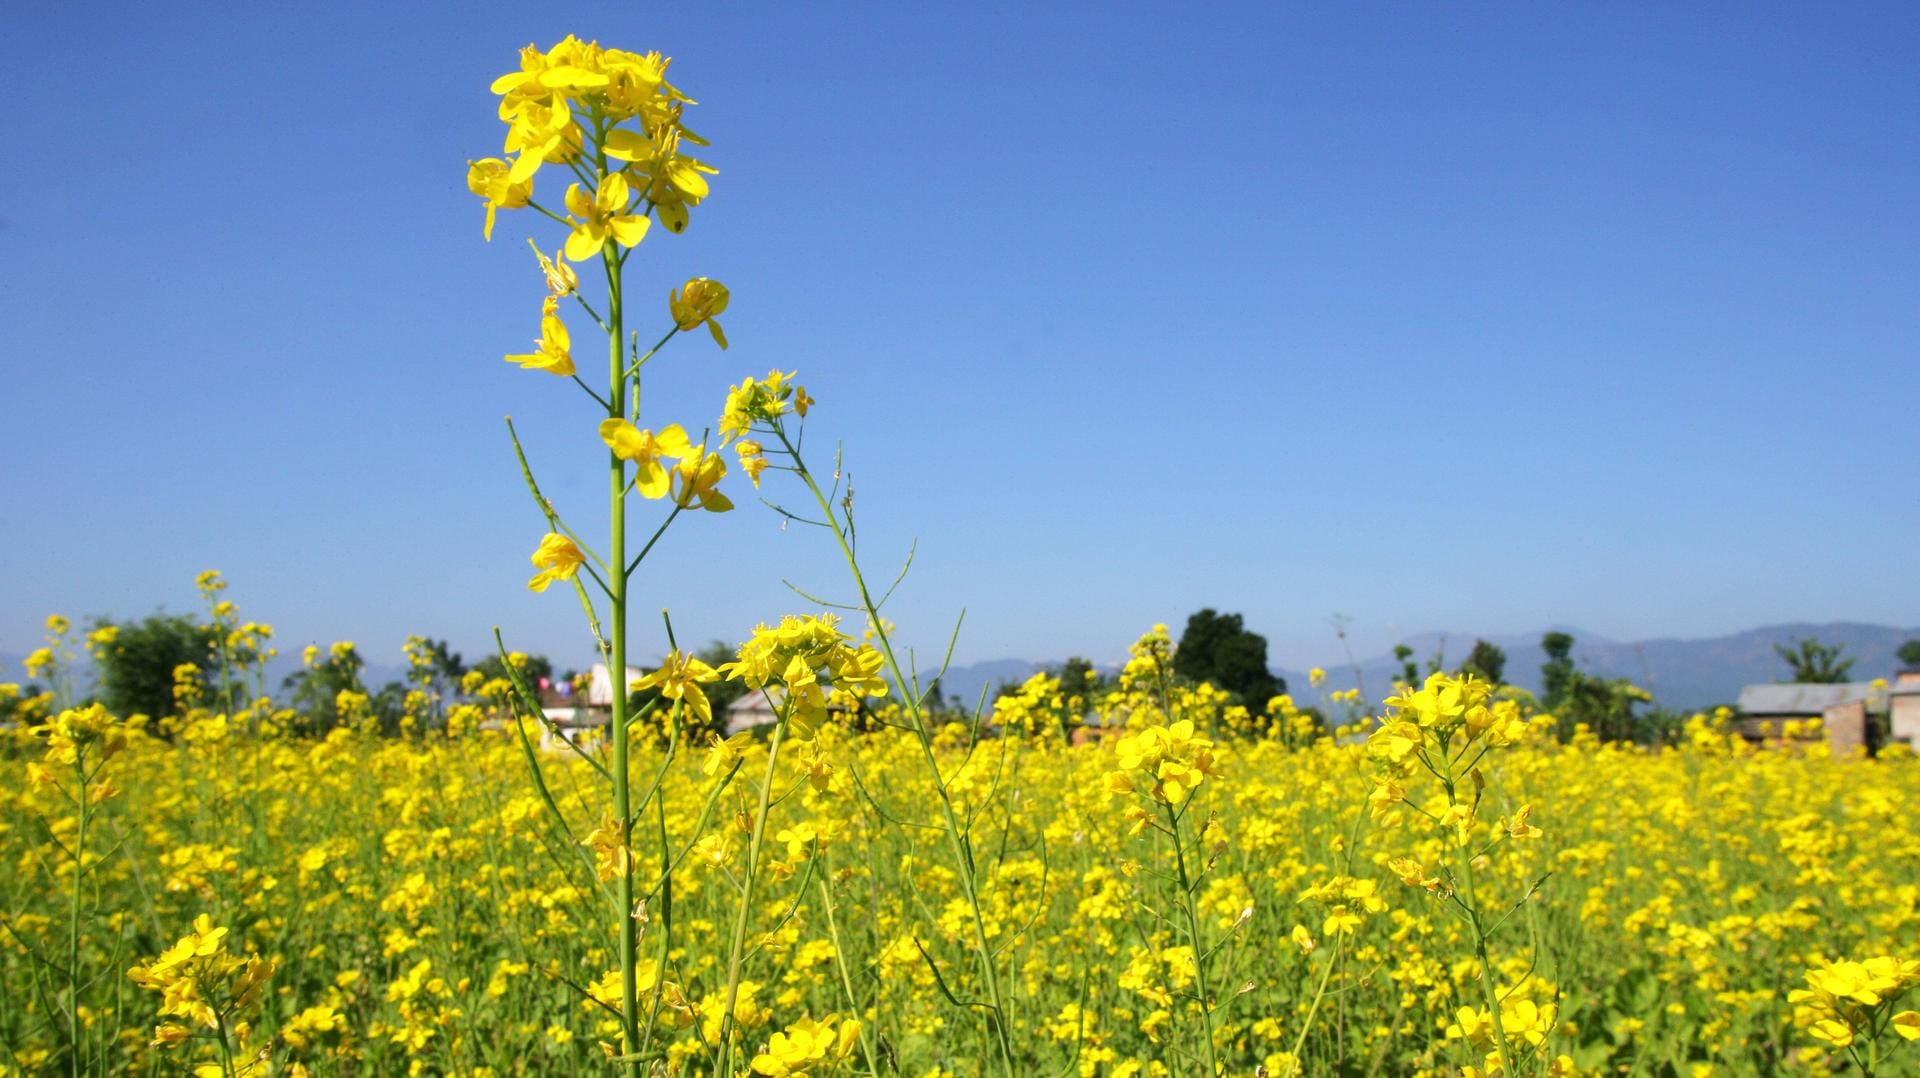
<point>602,217</point>
<point>697,478</point>
<point>552,355</point>
<point>679,678</point>
<point>558,559</point>
<point>540,131</point>
<point>752,459</point>
<point>646,450</point>
<point>700,300</point>
<point>1519,827</point>
<point>1341,920</point>
<point>760,401</point>
<point>561,280</point>
<point>488,178</point>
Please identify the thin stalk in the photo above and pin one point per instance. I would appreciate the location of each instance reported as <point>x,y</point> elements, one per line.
<point>617,666</point>
<point>956,837</point>
<point>1193,940</point>
<point>1319,994</point>
<point>1486,965</point>
<point>736,948</point>
<point>846,981</point>
<point>73,925</point>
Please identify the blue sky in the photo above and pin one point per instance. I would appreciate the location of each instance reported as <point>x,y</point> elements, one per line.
<point>1461,317</point>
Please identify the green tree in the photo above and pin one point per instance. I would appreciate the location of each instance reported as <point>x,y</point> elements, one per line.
<point>1815,663</point>
<point>1486,661</point>
<point>1909,654</point>
<point>1077,675</point>
<point>315,690</point>
<point>1409,672</point>
<point>136,670</point>
<point>535,668</point>
<point>1556,674</point>
<point>1219,648</point>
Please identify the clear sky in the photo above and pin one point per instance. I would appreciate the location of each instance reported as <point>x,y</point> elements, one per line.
<point>1445,317</point>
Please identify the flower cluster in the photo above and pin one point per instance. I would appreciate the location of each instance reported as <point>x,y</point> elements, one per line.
<point>761,401</point>
<point>577,94</point>
<point>1848,1002</point>
<point>203,985</point>
<point>818,668</point>
<point>808,1048</point>
<point>1166,763</point>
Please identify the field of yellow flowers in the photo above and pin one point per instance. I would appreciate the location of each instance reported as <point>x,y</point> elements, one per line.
<point>1146,877</point>
<point>253,903</point>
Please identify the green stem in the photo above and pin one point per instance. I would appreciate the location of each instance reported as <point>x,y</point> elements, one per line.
<point>846,980</point>
<point>617,668</point>
<point>73,925</point>
<point>737,947</point>
<point>1319,994</point>
<point>1486,966</point>
<point>1193,940</point>
<point>956,837</point>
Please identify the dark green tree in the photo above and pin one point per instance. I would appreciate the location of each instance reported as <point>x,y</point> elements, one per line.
<point>1077,675</point>
<point>1219,648</point>
<point>315,690</point>
<point>1815,663</point>
<point>536,667</point>
<point>1409,672</point>
<point>1605,706</point>
<point>136,670</point>
<point>1556,674</point>
<point>1909,654</point>
<point>1486,661</point>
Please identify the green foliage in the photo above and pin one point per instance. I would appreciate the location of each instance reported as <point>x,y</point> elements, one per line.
<point>136,670</point>
<point>1556,674</point>
<point>535,668</point>
<point>315,691</point>
<point>1486,662</point>
<point>1815,663</point>
<point>1409,672</point>
<point>1077,675</point>
<point>1604,705</point>
<point>1219,648</point>
<point>1909,654</point>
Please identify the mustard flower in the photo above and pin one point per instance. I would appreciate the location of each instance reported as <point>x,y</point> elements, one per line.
<point>601,217</point>
<point>700,300</point>
<point>552,351</point>
<point>646,450</point>
<point>557,558</point>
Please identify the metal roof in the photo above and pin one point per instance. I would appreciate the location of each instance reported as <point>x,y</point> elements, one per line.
<point>1800,699</point>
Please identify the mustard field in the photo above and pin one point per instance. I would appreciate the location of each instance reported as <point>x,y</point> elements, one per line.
<point>351,904</point>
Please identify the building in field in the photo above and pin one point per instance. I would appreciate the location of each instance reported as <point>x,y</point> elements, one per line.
<point>1845,710</point>
<point>580,714</point>
<point>1903,708</point>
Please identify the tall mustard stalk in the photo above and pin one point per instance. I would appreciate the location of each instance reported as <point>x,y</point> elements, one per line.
<point>609,120</point>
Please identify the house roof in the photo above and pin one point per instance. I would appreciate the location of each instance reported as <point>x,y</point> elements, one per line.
<point>1800,699</point>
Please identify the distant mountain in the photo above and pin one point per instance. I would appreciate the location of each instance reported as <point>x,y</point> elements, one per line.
<point>1681,674</point>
